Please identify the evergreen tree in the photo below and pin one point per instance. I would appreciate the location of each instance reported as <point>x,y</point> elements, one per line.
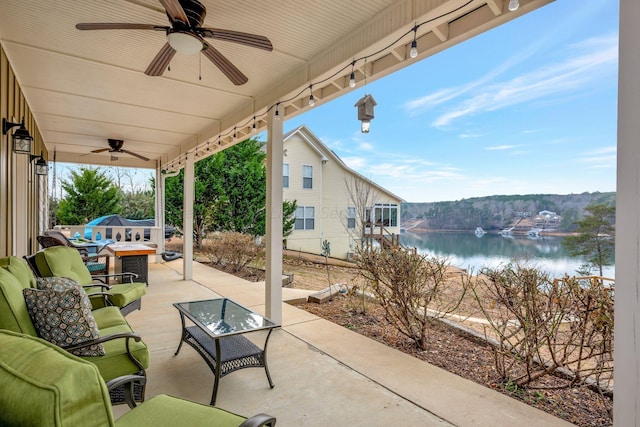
<point>89,194</point>
<point>230,193</point>
<point>596,238</point>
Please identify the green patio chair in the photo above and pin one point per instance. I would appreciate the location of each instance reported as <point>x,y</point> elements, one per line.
<point>43,385</point>
<point>96,264</point>
<point>63,261</point>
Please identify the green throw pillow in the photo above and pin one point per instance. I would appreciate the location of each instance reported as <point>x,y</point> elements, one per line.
<point>56,283</point>
<point>64,318</point>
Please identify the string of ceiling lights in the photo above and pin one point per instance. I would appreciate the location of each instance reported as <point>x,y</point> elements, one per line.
<point>413,53</point>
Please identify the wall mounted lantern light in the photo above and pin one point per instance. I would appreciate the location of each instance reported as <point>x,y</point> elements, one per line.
<point>22,141</point>
<point>41,164</point>
<point>365,111</point>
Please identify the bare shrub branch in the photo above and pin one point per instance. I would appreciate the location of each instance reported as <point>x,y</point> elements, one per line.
<point>413,289</point>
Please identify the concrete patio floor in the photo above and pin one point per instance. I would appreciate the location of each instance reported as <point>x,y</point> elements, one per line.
<point>324,374</point>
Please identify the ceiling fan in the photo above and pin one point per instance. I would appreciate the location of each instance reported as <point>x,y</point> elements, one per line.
<point>115,146</point>
<point>185,35</point>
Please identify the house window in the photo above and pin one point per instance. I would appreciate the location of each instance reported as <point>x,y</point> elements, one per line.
<point>307,176</point>
<point>351,218</point>
<point>285,175</point>
<point>305,218</point>
<point>386,214</point>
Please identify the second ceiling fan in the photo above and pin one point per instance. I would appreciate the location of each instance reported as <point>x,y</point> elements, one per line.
<point>115,146</point>
<point>186,35</point>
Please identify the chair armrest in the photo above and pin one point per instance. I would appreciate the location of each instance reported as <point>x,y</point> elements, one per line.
<point>128,381</point>
<point>124,275</point>
<point>259,420</point>
<point>95,285</point>
<point>128,336</point>
<point>105,297</point>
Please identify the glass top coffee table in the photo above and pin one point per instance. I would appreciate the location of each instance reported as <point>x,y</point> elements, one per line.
<point>216,334</point>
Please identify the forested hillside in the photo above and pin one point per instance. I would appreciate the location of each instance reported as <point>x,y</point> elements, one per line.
<point>498,212</point>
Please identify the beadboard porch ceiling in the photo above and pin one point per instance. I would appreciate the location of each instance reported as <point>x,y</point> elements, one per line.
<point>87,86</point>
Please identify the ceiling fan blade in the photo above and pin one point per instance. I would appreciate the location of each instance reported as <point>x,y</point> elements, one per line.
<point>135,154</point>
<point>253,40</point>
<point>220,61</point>
<point>161,61</point>
<point>119,26</point>
<point>175,10</point>
<point>100,150</point>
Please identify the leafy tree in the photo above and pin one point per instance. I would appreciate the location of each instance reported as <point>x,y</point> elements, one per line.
<point>230,193</point>
<point>596,238</point>
<point>243,177</point>
<point>137,204</point>
<point>89,194</point>
<point>288,217</point>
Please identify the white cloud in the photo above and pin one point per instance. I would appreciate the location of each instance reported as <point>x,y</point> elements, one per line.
<point>355,163</point>
<point>602,150</point>
<point>501,147</point>
<point>586,63</point>
<point>469,135</point>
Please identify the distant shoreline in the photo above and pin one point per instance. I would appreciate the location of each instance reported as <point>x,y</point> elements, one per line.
<point>514,233</point>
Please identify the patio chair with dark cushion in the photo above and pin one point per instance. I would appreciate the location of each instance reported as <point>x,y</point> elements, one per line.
<point>63,261</point>
<point>43,385</point>
<point>96,264</point>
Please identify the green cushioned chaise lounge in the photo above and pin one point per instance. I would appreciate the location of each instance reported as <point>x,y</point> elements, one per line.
<point>124,352</point>
<point>43,385</point>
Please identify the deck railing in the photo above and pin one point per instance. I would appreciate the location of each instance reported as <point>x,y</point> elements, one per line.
<point>120,234</point>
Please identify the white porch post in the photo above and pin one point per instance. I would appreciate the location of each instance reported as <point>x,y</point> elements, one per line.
<point>21,168</point>
<point>273,289</point>
<point>159,209</point>
<point>627,299</point>
<point>187,218</point>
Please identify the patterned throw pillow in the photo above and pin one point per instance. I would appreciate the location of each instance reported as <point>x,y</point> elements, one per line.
<point>64,318</point>
<point>56,283</point>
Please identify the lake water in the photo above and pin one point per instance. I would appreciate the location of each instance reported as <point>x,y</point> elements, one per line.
<point>465,250</point>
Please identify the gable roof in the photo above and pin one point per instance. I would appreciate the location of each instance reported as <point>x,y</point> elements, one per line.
<point>325,152</point>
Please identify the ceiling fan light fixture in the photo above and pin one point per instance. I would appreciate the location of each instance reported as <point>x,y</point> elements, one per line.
<point>184,42</point>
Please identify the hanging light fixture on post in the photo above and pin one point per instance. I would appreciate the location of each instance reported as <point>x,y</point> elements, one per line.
<point>22,141</point>
<point>365,111</point>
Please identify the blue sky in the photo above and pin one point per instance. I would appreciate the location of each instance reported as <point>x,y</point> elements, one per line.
<point>528,107</point>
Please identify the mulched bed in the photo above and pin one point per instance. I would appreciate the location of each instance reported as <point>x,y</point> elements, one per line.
<point>469,358</point>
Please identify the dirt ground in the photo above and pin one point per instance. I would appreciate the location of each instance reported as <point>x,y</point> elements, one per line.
<point>449,348</point>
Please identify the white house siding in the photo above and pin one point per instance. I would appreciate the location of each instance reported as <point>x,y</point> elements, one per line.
<point>328,196</point>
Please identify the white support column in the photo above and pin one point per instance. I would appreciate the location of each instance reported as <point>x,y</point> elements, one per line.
<point>187,218</point>
<point>273,289</point>
<point>159,190</point>
<point>22,171</point>
<point>627,297</point>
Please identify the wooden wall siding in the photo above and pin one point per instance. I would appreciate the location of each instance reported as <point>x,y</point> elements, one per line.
<point>21,192</point>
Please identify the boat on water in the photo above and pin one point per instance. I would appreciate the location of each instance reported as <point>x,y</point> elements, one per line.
<point>480,232</point>
<point>534,232</point>
<point>506,232</point>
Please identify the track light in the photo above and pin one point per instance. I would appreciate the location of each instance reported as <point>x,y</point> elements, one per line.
<point>514,5</point>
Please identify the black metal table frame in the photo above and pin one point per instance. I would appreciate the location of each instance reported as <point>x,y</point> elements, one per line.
<point>224,353</point>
